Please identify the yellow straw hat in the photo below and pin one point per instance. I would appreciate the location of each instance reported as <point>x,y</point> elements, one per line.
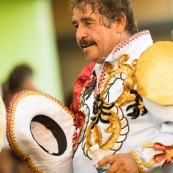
<point>154,72</point>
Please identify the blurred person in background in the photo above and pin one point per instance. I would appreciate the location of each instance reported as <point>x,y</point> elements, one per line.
<point>69,99</point>
<point>21,77</point>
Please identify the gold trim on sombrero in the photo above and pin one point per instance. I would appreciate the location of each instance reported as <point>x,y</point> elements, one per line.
<point>10,124</point>
<point>155,73</point>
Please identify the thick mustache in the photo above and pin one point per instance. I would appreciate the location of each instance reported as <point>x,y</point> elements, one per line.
<point>86,42</point>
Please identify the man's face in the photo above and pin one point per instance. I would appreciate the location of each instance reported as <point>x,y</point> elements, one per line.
<point>96,40</point>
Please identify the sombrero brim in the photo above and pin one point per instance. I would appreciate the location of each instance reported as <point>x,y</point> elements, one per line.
<point>40,130</point>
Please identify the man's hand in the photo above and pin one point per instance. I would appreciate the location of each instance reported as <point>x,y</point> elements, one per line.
<point>120,163</point>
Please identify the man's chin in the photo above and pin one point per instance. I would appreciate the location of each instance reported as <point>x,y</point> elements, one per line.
<point>94,59</point>
<point>88,56</point>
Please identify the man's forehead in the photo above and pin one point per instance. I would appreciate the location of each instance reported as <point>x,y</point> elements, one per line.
<point>84,10</point>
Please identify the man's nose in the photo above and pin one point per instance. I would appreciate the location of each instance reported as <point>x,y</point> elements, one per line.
<point>81,32</point>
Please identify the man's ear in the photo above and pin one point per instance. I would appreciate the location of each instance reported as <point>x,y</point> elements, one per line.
<point>121,23</point>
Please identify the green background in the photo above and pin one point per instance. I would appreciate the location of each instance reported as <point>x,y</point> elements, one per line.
<point>27,36</point>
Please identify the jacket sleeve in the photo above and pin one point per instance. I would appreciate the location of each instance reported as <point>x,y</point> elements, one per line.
<point>157,153</point>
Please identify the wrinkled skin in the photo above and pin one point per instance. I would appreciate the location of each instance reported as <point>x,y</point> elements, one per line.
<point>121,163</point>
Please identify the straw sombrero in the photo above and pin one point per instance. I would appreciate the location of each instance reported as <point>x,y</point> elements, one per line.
<point>40,131</point>
<point>154,73</point>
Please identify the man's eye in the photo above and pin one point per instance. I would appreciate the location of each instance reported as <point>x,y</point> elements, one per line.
<point>76,26</point>
<point>87,23</point>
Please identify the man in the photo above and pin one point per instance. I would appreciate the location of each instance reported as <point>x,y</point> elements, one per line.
<point>109,111</point>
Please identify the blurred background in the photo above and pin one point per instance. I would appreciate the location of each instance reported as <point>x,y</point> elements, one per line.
<point>38,50</point>
<point>40,34</point>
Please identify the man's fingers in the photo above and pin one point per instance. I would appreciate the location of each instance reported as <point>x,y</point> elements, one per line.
<point>106,160</point>
<point>111,160</point>
<point>119,163</point>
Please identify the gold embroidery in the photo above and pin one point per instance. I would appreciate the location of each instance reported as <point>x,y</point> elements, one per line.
<point>126,97</point>
<point>109,67</point>
<point>141,106</point>
<point>114,129</point>
<point>96,134</point>
<point>138,161</point>
<point>169,152</point>
<point>149,163</point>
<point>148,145</point>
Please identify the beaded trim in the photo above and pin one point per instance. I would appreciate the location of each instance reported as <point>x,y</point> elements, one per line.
<point>10,124</point>
<point>138,161</point>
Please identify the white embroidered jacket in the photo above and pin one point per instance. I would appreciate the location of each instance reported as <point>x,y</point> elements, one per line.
<point>118,120</point>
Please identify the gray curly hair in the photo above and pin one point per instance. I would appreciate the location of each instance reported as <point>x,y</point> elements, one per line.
<point>111,9</point>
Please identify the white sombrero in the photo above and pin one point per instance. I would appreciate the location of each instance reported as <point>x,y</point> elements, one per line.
<point>40,130</point>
